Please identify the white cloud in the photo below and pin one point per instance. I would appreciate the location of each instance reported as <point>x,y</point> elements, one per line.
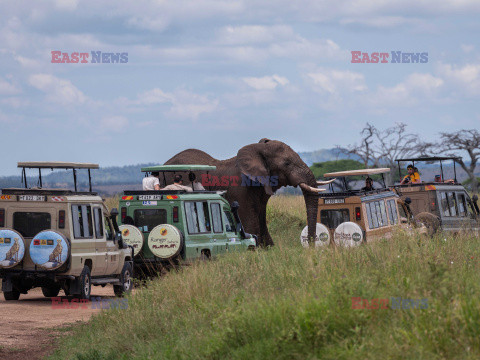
<point>467,48</point>
<point>466,79</point>
<point>57,90</point>
<point>266,82</point>
<point>254,34</point>
<point>7,88</point>
<point>113,123</point>
<point>336,81</point>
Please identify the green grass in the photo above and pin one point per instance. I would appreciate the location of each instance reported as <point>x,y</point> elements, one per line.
<point>295,303</point>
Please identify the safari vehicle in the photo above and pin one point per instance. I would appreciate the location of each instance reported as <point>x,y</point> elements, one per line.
<point>439,203</point>
<point>59,238</point>
<point>167,227</point>
<point>352,216</point>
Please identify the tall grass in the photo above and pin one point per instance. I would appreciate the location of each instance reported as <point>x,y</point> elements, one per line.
<point>294,303</point>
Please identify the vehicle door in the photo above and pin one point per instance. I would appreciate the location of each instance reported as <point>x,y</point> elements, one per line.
<point>230,226</point>
<point>219,235</point>
<point>466,211</point>
<point>449,211</point>
<point>88,245</point>
<point>112,250</point>
<point>199,229</point>
<point>146,218</point>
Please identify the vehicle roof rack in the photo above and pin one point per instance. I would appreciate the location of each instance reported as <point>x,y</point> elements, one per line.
<point>357,172</point>
<point>178,168</point>
<point>56,165</point>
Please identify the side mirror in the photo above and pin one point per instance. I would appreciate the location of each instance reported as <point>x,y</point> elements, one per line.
<point>408,201</point>
<point>475,198</point>
<point>235,206</point>
<point>114,212</point>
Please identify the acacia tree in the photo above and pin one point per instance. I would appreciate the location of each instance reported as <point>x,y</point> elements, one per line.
<point>382,147</point>
<point>460,142</point>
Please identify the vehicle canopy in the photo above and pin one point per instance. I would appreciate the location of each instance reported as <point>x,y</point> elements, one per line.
<point>56,165</point>
<point>355,173</point>
<point>431,159</point>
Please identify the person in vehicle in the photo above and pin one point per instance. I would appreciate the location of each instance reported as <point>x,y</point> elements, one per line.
<point>413,176</point>
<point>151,182</point>
<point>368,184</point>
<point>196,185</point>
<point>178,185</point>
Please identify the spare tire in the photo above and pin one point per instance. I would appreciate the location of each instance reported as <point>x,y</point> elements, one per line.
<point>431,222</point>
<point>165,241</point>
<point>12,248</point>
<point>322,236</point>
<point>348,234</point>
<point>49,250</point>
<point>132,236</point>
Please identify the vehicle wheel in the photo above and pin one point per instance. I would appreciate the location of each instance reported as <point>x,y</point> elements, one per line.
<point>126,278</point>
<point>430,221</point>
<point>85,283</point>
<point>50,291</point>
<point>11,295</point>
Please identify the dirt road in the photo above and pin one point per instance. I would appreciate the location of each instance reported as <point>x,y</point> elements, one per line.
<point>30,326</point>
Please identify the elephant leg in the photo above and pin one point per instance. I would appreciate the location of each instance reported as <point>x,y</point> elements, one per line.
<point>266,239</point>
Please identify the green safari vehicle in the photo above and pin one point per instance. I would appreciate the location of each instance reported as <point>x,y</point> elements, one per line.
<point>169,227</point>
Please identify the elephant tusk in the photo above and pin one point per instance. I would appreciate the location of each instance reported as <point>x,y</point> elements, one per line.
<point>310,189</point>
<point>325,182</point>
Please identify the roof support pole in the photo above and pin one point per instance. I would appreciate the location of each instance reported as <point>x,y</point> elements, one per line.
<point>441,169</point>
<point>40,177</point>
<point>75,179</point>
<point>89,180</point>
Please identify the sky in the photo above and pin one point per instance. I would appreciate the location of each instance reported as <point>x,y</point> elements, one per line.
<point>218,75</point>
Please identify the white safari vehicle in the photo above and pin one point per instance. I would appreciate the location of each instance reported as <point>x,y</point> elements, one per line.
<point>60,239</point>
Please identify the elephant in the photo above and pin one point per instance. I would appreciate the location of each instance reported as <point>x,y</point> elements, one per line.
<point>273,164</point>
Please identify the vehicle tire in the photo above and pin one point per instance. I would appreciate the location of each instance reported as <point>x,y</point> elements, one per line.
<point>50,291</point>
<point>11,295</point>
<point>85,283</point>
<point>126,278</point>
<point>430,221</point>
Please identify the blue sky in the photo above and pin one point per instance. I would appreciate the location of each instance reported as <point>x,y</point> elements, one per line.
<point>217,75</point>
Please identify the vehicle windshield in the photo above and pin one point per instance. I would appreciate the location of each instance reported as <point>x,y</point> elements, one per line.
<point>147,219</point>
<point>29,224</point>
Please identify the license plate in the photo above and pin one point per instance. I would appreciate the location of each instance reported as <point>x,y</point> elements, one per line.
<point>149,203</point>
<point>31,198</point>
<point>149,197</point>
<point>334,201</point>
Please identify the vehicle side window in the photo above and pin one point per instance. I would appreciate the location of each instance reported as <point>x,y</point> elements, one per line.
<point>229,222</point>
<point>392,211</point>
<point>216,218</point>
<point>82,221</point>
<point>98,219</point>
<point>377,210</point>
<point>332,218</point>
<point>452,202</point>
<point>198,217</point>
<point>445,207</point>
<point>462,205</point>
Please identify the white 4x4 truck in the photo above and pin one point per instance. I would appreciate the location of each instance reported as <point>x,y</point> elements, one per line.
<point>57,238</point>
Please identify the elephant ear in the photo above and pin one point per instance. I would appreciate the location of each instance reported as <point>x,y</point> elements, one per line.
<point>251,162</point>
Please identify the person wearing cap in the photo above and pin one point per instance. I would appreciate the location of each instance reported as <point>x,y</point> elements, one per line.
<point>178,185</point>
<point>151,182</point>
<point>368,184</point>
<point>413,176</point>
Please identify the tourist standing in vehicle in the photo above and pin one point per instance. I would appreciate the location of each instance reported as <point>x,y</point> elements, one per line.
<point>151,182</point>
<point>195,184</point>
<point>413,176</point>
<point>178,185</point>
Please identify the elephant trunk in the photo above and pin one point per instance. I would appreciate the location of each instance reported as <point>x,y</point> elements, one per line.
<point>311,203</point>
